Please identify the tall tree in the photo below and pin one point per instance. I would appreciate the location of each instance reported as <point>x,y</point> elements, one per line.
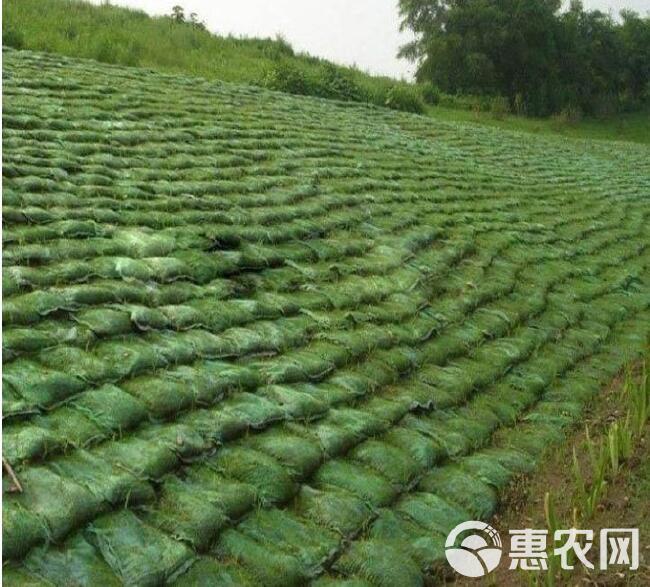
<point>529,51</point>
<point>635,35</point>
<point>178,14</point>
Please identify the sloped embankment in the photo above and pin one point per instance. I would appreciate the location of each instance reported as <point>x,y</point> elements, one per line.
<point>260,339</point>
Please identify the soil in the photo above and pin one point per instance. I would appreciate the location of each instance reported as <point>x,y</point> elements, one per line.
<point>625,504</point>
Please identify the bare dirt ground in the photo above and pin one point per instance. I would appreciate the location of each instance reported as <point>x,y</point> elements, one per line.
<point>625,504</point>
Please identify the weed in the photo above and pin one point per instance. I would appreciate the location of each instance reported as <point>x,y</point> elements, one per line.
<point>407,98</point>
<point>499,107</point>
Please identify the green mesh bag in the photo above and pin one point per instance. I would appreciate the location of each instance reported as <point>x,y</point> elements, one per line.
<point>186,513</point>
<point>137,553</point>
<point>209,571</point>
<point>360,481</point>
<point>424,546</point>
<point>264,562</point>
<point>38,386</point>
<point>271,481</point>
<point>20,577</point>
<point>333,508</point>
<point>309,544</point>
<point>74,562</point>
<point>431,512</point>
<point>300,454</point>
<point>393,463</point>
<point>454,484</point>
<point>381,563</point>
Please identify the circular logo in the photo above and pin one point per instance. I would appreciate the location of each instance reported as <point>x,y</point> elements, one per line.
<point>478,553</point>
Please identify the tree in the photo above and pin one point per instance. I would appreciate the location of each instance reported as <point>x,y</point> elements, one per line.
<point>178,14</point>
<point>530,52</point>
<point>196,23</point>
<point>635,37</point>
<point>494,47</point>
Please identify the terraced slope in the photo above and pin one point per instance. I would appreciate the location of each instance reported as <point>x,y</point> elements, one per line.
<point>255,339</point>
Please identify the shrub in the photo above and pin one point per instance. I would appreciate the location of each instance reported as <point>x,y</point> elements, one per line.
<point>569,116</point>
<point>462,102</point>
<point>178,14</point>
<point>286,77</point>
<point>629,103</point>
<point>196,23</point>
<point>499,107</point>
<point>282,46</point>
<point>107,51</point>
<point>276,49</point>
<point>520,105</point>
<point>606,105</point>
<point>405,98</point>
<point>376,93</point>
<point>335,83</point>
<point>431,93</point>
<point>330,81</point>
<point>12,38</point>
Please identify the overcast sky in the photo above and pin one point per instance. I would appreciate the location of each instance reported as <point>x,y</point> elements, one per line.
<point>361,32</point>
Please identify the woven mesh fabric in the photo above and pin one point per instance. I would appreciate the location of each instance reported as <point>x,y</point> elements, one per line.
<point>255,339</point>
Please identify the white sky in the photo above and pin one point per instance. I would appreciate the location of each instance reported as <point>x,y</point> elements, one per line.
<point>361,32</point>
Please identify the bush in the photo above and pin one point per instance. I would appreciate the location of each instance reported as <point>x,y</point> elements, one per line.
<point>405,98</point>
<point>12,38</point>
<point>520,105</point>
<point>282,46</point>
<point>569,116</point>
<point>606,105</point>
<point>499,107</point>
<point>330,81</point>
<point>286,77</point>
<point>431,93</point>
<point>468,102</point>
<point>629,103</point>
<point>276,49</point>
<point>376,93</point>
<point>335,83</point>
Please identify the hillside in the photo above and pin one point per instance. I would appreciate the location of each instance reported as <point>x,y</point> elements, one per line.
<point>114,34</point>
<point>117,35</point>
<point>258,339</point>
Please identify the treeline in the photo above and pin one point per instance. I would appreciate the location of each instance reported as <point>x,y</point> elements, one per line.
<point>539,58</point>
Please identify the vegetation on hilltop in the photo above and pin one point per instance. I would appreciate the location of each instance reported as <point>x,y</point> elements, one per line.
<point>181,44</point>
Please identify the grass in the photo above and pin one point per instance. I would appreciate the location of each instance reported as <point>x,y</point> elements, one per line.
<point>633,127</point>
<point>129,37</point>
<point>113,34</point>
<point>260,339</point>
